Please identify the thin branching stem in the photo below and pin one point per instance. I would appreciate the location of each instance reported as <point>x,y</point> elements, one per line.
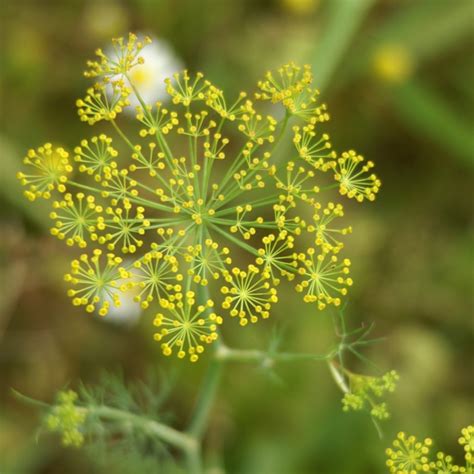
<point>242,355</point>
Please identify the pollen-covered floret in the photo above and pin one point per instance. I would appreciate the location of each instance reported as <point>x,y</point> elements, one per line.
<point>94,287</point>
<point>125,56</point>
<point>184,89</point>
<point>284,83</point>
<point>207,261</point>
<point>467,442</point>
<point>277,256</point>
<point>408,455</point>
<point>244,225</point>
<point>326,234</point>
<point>255,126</point>
<point>324,279</point>
<point>156,119</point>
<point>248,294</point>
<point>96,156</point>
<point>99,105</point>
<point>444,464</point>
<point>315,150</point>
<point>155,276</point>
<point>290,85</point>
<point>299,183</point>
<point>356,180</point>
<point>76,218</point>
<point>185,328</point>
<point>48,169</point>
<point>125,226</point>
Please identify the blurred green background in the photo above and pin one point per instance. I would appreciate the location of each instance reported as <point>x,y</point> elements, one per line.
<point>397,76</point>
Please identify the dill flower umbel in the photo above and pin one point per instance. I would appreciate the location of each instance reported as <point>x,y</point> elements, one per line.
<point>366,392</point>
<point>410,456</point>
<point>196,211</point>
<point>67,419</point>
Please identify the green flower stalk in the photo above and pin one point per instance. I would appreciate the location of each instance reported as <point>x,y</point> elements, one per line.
<point>197,188</point>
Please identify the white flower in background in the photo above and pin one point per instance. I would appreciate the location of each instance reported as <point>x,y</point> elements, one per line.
<point>129,311</point>
<point>160,63</point>
<point>127,314</point>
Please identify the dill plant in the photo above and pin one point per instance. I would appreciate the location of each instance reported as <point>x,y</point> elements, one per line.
<point>199,187</point>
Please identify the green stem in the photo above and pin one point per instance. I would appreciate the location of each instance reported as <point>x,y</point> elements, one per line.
<point>165,433</point>
<point>209,387</point>
<point>122,135</point>
<point>230,222</point>
<point>258,203</point>
<point>188,444</point>
<point>284,124</point>
<point>233,239</point>
<point>338,377</point>
<point>241,355</point>
<point>193,460</point>
<point>206,398</point>
<point>28,400</point>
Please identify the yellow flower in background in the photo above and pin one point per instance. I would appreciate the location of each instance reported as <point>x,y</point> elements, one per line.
<point>392,63</point>
<point>300,7</point>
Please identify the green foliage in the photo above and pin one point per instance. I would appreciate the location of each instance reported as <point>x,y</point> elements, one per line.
<point>100,417</point>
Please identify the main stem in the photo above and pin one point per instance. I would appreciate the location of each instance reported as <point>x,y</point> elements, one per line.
<point>205,401</point>
<point>188,445</point>
<point>206,397</point>
<point>209,386</point>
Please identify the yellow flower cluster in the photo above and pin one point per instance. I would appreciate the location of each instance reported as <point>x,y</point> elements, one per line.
<point>249,294</point>
<point>410,456</point>
<point>203,189</point>
<point>184,327</point>
<point>126,55</point>
<point>366,392</point>
<point>48,171</point>
<point>67,419</point>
